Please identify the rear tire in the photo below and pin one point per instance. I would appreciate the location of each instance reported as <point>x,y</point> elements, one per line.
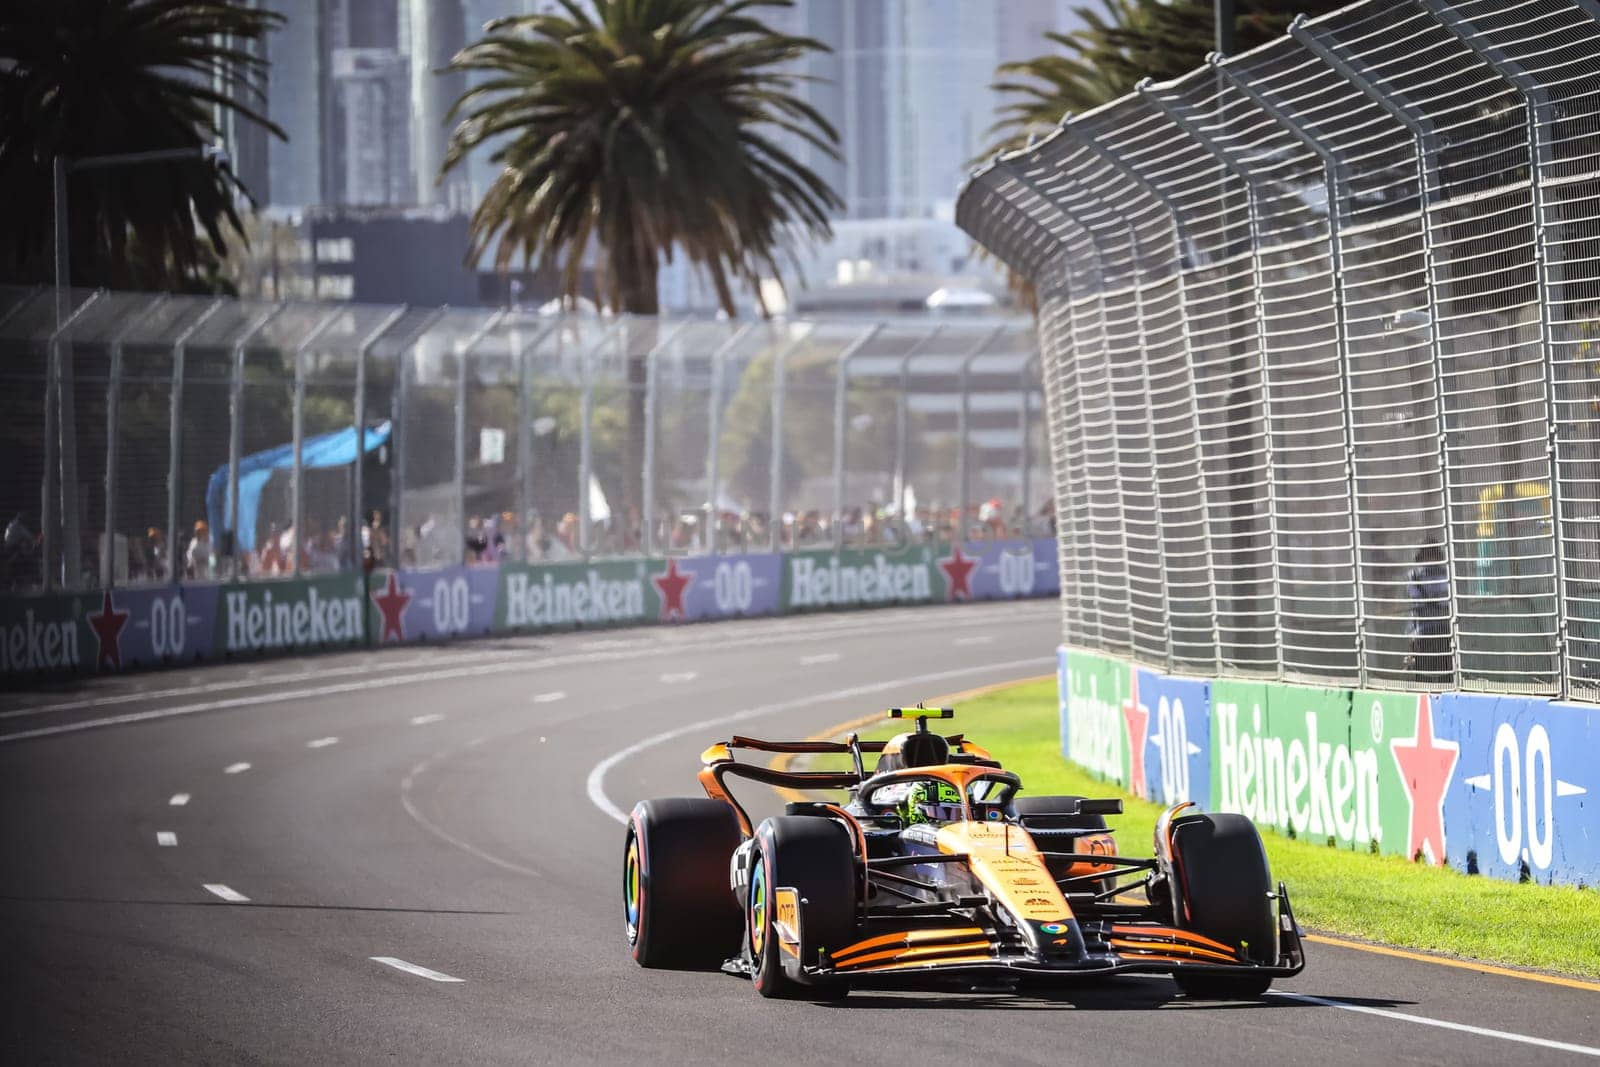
<point>1225,887</point>
<point>1060,833</point>
<point>812,855</point>
<point>677,911</point>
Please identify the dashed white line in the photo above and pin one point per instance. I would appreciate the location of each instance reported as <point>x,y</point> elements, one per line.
<point>517,664</point>
<point>1400,1016</point>
<point>680,676</point>
<point>166,839</point>
<point>423,720</point>
<point>322,742</point>
<point>179,800</point>
<point>980,639</point>
<point>236,768</point>
<point>412,968</point>
<point>821,657</point>
<point>232,896</point>
<point>549,698</point>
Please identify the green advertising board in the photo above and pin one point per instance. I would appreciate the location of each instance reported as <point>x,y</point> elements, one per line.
<point>564,596</point>
<point>295,614</point>
<point>44,634</point>
<point>814,581</point>
<point>1310,762</point>
<point>1096,733</point>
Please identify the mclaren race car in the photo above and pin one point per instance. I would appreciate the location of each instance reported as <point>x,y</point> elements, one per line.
<point>936,872</point>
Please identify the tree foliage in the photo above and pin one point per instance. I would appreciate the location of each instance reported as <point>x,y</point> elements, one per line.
<point>81,78</point>
<point>643,129</point>
<point>1120,43</point>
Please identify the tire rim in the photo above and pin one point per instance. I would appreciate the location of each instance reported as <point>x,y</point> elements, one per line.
<point>632,889</point>
<point>758,909</point>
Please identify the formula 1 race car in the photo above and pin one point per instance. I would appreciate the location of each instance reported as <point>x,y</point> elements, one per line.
<point>936,872</point>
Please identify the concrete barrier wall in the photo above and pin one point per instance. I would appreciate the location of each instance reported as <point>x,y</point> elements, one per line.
<point>106,631</point>
<point>1494,785</point>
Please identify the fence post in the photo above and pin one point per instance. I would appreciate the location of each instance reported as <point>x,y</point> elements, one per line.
<point>523,353</point>
<point>902,417</point>
<point>1536,102</point>
<point>297,485</point>
<point>175,436</point>
<point>56,486</point>
<point>775,499</point>
<point>397,435</point>
<point>1244,174</point>
<point>236,433</point>
<point>463,357</point>
<point>113,418</point>
<point>647,518</point>
<point>1180,241</point>
<point>1024,443</point>
<point>358,482</point>
<point>1427,151</point>
<point>841,383</point>
<point>963,427</point>
<point>585,432</point>
<point>719,372</point>
<point>1336,183</point>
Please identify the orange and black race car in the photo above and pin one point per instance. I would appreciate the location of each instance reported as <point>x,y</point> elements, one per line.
<point>935,872</point>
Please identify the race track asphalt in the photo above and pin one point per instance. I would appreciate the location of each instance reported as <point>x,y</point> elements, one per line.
<point>462,821</point>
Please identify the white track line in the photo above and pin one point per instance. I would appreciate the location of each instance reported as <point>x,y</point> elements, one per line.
<point>516,665</point>
<point>1481,1031</point>
<point>680,676</point>
<point>440,832</point>
<point>423,720</point>
<point>597,775</point>
<point>821,657</point>
<point>549,698</point>
<point>179,800</point>
<point>981,639</point>
<point>232,896</point>
<point>166,839</point>
<point>322,742</point>
<point>253,681</point>
<point>236,768</point>
<point>412,968</point>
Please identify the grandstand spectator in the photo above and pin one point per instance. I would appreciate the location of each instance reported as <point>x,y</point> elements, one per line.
<point>200,562</point>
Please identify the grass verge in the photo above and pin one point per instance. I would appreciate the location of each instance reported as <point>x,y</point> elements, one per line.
<point>1376,898</point>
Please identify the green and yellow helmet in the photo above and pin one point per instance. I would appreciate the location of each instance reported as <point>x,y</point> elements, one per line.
<point>929,801</point>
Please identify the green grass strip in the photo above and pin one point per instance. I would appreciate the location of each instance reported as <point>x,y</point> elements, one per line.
<point>1375,898</point>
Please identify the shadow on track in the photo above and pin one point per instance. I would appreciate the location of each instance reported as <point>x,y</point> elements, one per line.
<point>1109,995</point>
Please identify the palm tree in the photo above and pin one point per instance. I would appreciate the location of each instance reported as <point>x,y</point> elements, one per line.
<point>98,77</point>
<point>639,130</point>
<point>1125,41</point>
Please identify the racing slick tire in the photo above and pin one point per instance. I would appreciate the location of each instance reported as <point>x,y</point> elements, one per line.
<point>1227,888</point>
<point>676,906</point>
<point>813,855</point>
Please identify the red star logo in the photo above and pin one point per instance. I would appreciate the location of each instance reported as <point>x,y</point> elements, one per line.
<point>107,627</point>
<point>958,574</point>
<point>672,584</point>
<point>1425,768</point>
<point>392,603</point>
<point>1137,718</point>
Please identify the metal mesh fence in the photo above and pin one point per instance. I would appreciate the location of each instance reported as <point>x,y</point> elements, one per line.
<point>197,439</point>
<point>1332,306</point>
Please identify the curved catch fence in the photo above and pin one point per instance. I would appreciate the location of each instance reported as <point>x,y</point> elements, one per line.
<point>1319,334</point>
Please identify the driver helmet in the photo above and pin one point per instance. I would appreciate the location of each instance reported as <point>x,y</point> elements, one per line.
<point>936,802</point>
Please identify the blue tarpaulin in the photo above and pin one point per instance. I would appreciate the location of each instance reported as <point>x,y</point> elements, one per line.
<point>336,449</point>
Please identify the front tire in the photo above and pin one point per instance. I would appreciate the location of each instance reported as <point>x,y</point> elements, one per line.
<point>677,912</point>
<point>813,856</point>
<point>1226,890</point>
